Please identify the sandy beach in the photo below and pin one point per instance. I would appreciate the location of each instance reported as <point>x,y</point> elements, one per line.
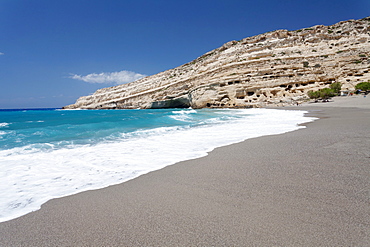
<point>309,187</point>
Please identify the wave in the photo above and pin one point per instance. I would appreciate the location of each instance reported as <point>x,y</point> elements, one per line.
<point>34,174</point>
<point>2,125</point>
<point>38,121</point>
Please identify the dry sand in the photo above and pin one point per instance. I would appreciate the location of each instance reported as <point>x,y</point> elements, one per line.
<point>358,101</point>
<point>309,187</point>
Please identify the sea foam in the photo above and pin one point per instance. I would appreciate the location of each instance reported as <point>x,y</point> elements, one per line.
<point>3,125</point>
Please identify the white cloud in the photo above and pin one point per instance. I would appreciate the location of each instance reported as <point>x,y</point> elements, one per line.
<point>120,77</point>
<point>1,53</point>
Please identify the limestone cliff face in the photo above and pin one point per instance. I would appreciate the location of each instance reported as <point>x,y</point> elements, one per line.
<point>275,68</point>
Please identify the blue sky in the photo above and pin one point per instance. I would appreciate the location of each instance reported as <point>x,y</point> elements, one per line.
<point>54,51</point>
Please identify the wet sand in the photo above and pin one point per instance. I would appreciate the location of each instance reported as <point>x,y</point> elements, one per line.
<point>310,187</point>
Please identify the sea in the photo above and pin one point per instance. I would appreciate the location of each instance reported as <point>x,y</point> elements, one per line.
<point>52,153</point>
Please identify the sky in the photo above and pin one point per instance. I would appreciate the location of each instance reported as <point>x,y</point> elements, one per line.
<point>54,51</point>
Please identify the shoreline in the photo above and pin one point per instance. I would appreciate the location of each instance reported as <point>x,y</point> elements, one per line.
<point>308,187</point>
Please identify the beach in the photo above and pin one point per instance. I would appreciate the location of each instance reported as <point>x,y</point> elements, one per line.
<point>309,187</point>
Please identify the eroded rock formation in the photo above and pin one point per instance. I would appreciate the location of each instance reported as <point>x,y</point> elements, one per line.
<point>275,68</point>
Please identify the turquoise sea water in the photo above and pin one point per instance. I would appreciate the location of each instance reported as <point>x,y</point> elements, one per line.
<point>55,128</point>
<point>51,153</point>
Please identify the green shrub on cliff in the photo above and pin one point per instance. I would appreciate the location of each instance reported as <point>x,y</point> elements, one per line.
<point>336,87</point>
<point>313,94</point>
<point>326,93</point>
<point>364,86</point>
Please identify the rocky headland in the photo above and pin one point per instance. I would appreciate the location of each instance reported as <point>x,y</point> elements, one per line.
<point>277,68</point>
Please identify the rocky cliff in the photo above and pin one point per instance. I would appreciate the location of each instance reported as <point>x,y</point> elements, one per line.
<point>275,68</point>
